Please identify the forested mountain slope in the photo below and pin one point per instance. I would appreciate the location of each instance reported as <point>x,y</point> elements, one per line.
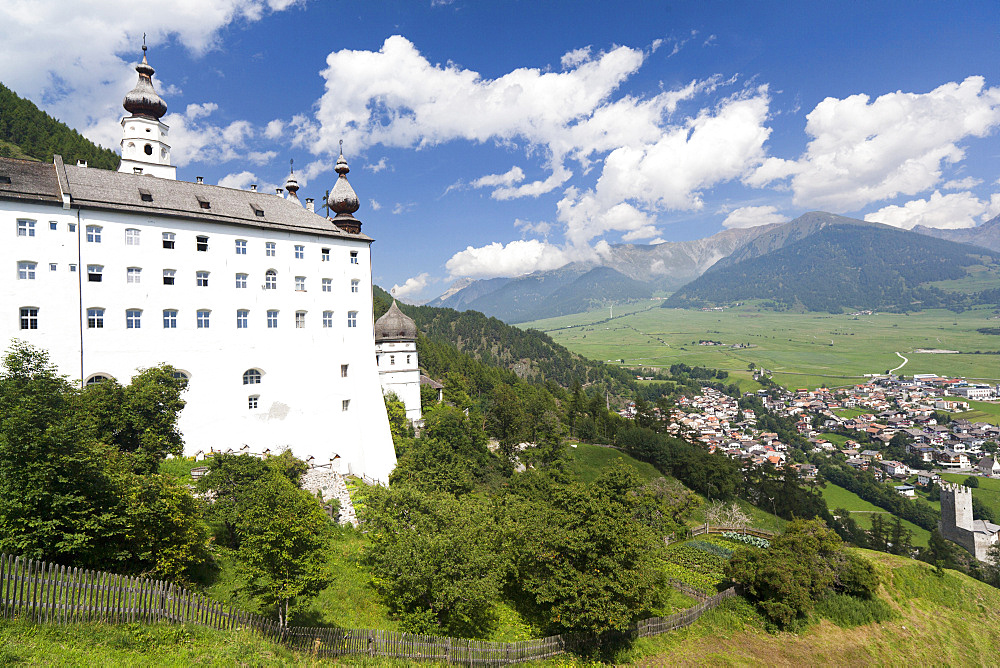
<point>27,131</point>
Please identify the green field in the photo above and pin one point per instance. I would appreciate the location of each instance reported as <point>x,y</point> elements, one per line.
<point>861,511</point>
<point>982,411</point>
<point>588,461</point>
<point>801,349</point>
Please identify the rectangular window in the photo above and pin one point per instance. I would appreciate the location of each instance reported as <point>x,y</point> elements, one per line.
<point>327,319</point>
<point>26,270</point>
<point>343,371</point>
<point>53,225</point>
<point>131,237</point>
<point>201,243</point>
<point>355,283</point>
<point>93,234</point>
<point>272,319</point>
<point>94,273</point>
<point>168,239</point>
<point>29,318</point>
<point>270,280</point>
<point>72,268</point>
<point>354,257</point>
<point>95,318</point>
<point>300,252</point>
<point>269,249</point>
<point>25,228</point>
<point>352,318</point>
<point>300,283</point>
<point>241,280</point>
<point>168,276</point>
<point>169,319</point>
<point>325,255</point>
<point>133,318</point>
<point>300,319</point>
<point>53,266</point>
<point>203,319</point>
<point>252,402</point>
<point>202,278</point>
<point>133,275</point>
<point>241,247</point>
<point>344,404</point>
<point>242,318</point>
<point>327,285</point>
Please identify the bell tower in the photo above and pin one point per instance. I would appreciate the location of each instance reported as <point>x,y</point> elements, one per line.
<point>144,136</point>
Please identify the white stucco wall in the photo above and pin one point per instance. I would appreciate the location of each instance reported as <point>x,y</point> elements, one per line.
<point>399,372</point>
<point>302,389</point>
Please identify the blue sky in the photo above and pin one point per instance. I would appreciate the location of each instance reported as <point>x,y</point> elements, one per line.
<point>497,138</point>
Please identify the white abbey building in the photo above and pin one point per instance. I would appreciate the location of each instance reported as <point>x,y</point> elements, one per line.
<point>264,305</point>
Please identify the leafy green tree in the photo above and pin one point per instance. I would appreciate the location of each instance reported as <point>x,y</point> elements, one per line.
<point>396,411</point>
<point>972,482</point>
<point>939,552</point>
<point>505,419</point>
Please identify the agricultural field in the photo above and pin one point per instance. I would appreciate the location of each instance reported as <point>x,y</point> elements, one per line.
<point>801,349</point>
<point>862,511</point>
<point>982,411</point>
<point>700,563</point>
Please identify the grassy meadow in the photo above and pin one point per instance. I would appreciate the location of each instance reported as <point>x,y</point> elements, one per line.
<point>862,511</point>
<point>802,349</point>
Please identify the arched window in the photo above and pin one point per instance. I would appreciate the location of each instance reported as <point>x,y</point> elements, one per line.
<point>251,377</point>
<point>97,378</point>
<point>181,375</point>
<point>270,280</point>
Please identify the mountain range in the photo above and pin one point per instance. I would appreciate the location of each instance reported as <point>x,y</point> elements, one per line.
<point>819,261</point>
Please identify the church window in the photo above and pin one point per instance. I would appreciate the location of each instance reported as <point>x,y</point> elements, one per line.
<point>169,319</point>
<point>352,318</point>
<point>241,280</point>
<point>25,228</point>
<point>203,318</point>
<point>251,377</point>
<point>272,319</point>
<point>343,371</point>
<point>53,225</point>
<point>327,285</point>
<point>29,318</point>
<point>133,318</point>
<point>252,401</point>
<point>241,247</point>
<point>202,278</point>
<point>94,273</point>
<point>300,252</point>
<point>26,270</point>
<point>354,257</point>
<point>147,148</point>
<point>271,280</point>
<point>131,237</point>
<point>325,255</point>
<point>133,275</point>
<point>168,276</point>
<point>201,243</point>
<point>242,318</point>
<point>355,284</point>
<point>93,234</point>
<point>300,283</point>
<point>327,319</point>
<point>344,404</point>
<point>269,249</point>
<point>168,240</point>
<point>95,318</point>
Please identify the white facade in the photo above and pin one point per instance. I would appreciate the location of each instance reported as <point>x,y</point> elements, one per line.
<point>399,373</point>
<point>144,147</point>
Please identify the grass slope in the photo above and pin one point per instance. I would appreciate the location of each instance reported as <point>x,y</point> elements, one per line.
<point>862,511</point>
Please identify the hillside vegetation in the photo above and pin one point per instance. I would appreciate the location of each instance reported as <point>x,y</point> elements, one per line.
<point>28,132</point>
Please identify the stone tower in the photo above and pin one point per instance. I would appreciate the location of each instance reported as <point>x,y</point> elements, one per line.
<point>956,509</point>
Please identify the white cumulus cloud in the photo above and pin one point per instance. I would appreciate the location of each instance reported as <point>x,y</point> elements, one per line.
<point>514,259</point>
<point>951,211</point>
<point>411,286</point>
<point>752,216</point>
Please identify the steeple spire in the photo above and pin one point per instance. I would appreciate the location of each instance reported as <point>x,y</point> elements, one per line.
<point>291,183</point>
<point>143,99</point>
<point>144,136</point>
<point>342,200</point>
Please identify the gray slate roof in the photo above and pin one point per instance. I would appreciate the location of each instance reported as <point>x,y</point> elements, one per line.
<point>92,188</point>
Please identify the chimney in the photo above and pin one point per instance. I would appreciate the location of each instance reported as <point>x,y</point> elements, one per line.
<point>279,191</point>
<point>253,187</point>
<point>81,163</point>
<point>200,179</point>
<point>310,205</point>
<point>137,170</point>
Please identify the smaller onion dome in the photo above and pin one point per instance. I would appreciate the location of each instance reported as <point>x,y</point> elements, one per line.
<point>143,99</point>
<point>342,200</point>
<point>395,325</point>
<point>292,183</point>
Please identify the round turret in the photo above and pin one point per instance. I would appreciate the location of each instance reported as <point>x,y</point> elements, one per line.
<point>143,99</point>
<point>395,325</point>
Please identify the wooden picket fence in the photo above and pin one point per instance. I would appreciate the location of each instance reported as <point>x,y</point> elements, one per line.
<point>52,594</point>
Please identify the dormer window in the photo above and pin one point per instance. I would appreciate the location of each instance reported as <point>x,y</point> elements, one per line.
<point>259,212</point>
<point>4,179</point>
<point>204,203</point>
<point>145,195</point>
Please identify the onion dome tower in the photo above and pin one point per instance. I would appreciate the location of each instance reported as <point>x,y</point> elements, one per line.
<point>396,358</point>
<point>343,201</point>
<point>144,146</point>
<point>292,183</point>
